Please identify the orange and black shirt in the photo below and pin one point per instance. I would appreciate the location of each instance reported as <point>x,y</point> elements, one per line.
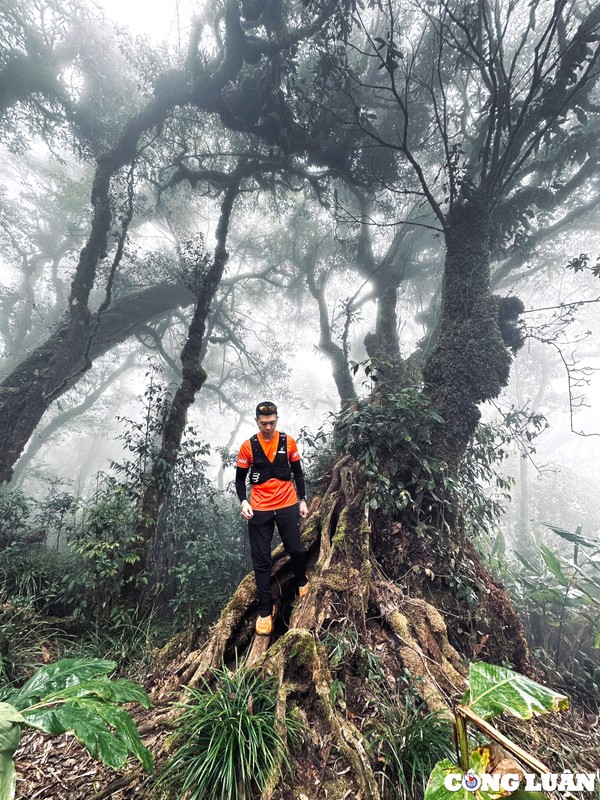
<point>273,493</point>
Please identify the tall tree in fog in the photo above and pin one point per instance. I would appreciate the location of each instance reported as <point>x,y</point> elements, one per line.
<point>485,117</point>
<point>444,139</point>
<point>212,85</point>
<point>490,113</point>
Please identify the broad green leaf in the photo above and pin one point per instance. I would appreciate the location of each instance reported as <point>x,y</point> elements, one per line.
<point>570,536</point>
<point>494,690</point>
<point>10,736</point>
<point>9,713</point>
<point>526,563</point>
<point>93,734</point>
<point>117,691</point>
<point>554,565</point>
<point>125,729</point>
<point>44,719</point>
<point>89,720</point>
<point>7,778</point>
<point>436,790</point>
<point>53,677</point>
<point>597,639</point>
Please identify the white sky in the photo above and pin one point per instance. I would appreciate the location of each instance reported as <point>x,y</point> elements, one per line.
<point>167,20</point>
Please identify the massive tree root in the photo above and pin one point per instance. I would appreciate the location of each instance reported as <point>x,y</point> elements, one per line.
<point>397,620</point>
<point>349,591</point>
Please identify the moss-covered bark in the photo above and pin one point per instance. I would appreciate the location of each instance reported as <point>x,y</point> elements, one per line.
<point>470,362</point>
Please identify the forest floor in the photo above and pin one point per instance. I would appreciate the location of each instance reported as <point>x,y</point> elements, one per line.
<point>58,768</point>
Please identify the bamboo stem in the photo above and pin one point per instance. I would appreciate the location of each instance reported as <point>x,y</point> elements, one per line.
<point>464,713</point>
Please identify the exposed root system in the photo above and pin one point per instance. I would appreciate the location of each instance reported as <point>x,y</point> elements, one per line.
<point>403,629</point>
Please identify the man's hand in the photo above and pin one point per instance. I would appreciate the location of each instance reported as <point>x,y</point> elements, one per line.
<point>247,512</point>
<point>303,509</point>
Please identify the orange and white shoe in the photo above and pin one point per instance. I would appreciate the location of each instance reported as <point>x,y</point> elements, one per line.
<point>264,625</point>
<point>304,590</point>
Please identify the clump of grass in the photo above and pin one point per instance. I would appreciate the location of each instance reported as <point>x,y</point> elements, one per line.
<point>407,744</point>
<point>229,741</point>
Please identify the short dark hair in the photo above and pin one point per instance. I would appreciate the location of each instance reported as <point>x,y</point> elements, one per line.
<point>266,407</point>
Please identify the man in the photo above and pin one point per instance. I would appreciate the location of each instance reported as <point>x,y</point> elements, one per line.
<point>272,458</point>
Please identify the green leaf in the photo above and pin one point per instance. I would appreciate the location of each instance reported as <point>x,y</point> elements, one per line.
<point>7,778</point>
<point>45,720</point>
<point>87,726</point>
<point>10,736</point>
<point>9,713</point>
<point>117,691</point>
<point>435,789</point>
<point>570,536</point>
<point>554,565</point>
<point>526,563</point>
<point>494,690</point>
<point>90,720</point>
<point>125,729</point>
<point>53,677</point>
<point>597,639</point>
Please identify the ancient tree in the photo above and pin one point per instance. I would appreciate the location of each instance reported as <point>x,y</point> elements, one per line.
<point>458,120</point>
<point>467,106</point>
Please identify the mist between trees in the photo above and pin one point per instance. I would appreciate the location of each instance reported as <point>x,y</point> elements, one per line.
<point>383,216</point>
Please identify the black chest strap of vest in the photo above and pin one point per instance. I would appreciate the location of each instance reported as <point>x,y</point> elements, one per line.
<point>262,469</point>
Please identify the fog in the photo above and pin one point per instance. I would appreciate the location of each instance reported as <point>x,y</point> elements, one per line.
<point>266,338</point>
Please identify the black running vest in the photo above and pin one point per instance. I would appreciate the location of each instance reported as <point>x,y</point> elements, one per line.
<point>262,469</point>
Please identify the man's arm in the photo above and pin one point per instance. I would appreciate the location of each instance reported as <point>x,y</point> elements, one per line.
<point>300,486</point>
<point>240,488</point>
<point>299,479</point>
<point>241,473</point>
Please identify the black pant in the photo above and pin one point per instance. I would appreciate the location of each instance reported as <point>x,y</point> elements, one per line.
<point>261,528</point>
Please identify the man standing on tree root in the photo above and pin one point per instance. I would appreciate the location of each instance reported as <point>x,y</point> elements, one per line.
<point>272,458</point>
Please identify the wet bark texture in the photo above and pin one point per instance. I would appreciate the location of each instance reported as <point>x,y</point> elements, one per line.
<point>470,362</point>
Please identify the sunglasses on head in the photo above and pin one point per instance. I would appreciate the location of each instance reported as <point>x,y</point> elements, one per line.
<point>267,408</point>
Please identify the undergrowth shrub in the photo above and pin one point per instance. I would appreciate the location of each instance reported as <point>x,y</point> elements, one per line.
<point>389,438</point>
<point>202,540</point>
<point>406,743</point>
<point>556,590</point>
<point>228,741</point>
<point>101,546</point>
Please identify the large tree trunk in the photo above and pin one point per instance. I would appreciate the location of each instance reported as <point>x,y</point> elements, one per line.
<point>470,362</point>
